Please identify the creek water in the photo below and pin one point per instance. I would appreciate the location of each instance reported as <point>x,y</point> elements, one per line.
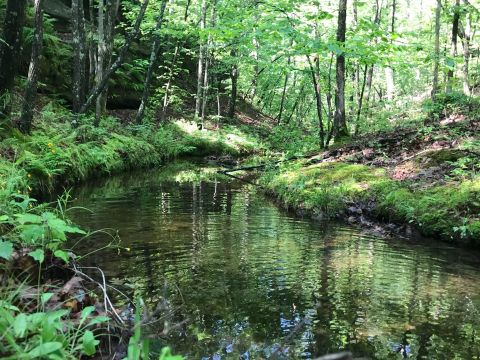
<point>245,279</point>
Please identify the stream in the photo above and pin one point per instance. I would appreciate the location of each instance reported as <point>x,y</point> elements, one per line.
<point>246,279</point>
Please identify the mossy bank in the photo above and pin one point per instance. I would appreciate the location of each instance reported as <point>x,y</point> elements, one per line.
<point>435,188</point>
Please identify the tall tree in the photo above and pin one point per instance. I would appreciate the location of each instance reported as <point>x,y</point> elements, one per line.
<point>315,73</point>
<point>453,51</point>
<point>436,65</point>
<point>466,35</point>
<point>101,52</point>
<point>389,75</point>
<point>79,57</point>
<point>339,122</point>
<point>29,100</point>
<point>10,48</point>
<point>234,80</point>
<point>201,60</point>
<point>151,65</point>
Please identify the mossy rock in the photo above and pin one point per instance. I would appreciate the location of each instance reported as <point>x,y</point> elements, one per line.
<point>440,157</point>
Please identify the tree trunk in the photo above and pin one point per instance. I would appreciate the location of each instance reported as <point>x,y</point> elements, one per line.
<point>339,122</point>
<point>10,48</point>
<point>97,90</point>
<point>453,51</point>
<point>26,118</point>
<point>466,37</point>
<point>151,66</point>
<point>234,78</point>
<point>318,98</point>
<point>79,58</point>
<point>360,99</point>
<point>284,92</point>
<point>110,20</point>
<point>389,74</point>
<point>201,59</point>
<point>92,49</point>
<point>101,51</point>
<point>437,50</point>
<point>171,71</point>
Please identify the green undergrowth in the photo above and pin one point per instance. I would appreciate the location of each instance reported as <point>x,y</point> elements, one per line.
<point>56,154</point>
<point>450,211</point>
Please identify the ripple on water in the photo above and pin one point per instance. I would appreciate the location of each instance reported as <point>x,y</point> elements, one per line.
<point>255,280</point>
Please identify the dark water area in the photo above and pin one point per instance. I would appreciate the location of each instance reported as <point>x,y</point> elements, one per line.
<point>256,282</point>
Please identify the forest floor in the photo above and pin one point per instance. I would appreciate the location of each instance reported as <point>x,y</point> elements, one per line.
<point>422,180</point>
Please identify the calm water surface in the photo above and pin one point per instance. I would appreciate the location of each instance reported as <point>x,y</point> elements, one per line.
<point>255,282</point>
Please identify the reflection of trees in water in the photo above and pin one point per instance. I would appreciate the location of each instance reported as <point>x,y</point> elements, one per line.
<point>249,274</point>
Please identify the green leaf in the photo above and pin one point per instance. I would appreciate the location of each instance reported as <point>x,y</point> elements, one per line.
<point>29,218</point>
<point>44,349</point>
<point>86,312</point>
<point>62,255</point>
<point>20,325</point>
<point>89,343</point>
<point>99,320</point>
<point>6,249</point>
<point>45,297</point>
<point>4,218</point>
<point>32,232</point>
<point>38,255</point>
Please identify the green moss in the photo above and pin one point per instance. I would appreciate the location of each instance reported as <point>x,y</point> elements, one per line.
<point>449,211</point>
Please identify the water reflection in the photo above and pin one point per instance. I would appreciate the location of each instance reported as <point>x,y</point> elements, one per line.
<point>259,283</point>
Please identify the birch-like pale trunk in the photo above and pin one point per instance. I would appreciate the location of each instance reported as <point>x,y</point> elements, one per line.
<point>201,59</point>
<point>30,98</point>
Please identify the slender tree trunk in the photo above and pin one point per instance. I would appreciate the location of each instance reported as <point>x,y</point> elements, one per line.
<point>110,20</point>
<point>377,20</point>
<point>79,50</point>
<point>92,48</point>
<point>97,90</point>
<point>295,105</point>
<point>453,51</point>
<point>101,51</point>
<point>171,71</point>
<point>437,50</point>
<point>466,37</point>
<point>389,74</point>
<point>234,78</point>
<point>284,92</point>
<point>318,98</point>
<point>151,66</point>
<point>360,99</point>
<point>201,59</point>
<point>208,61</point>
<point>205,87</point>
<point>339,122</point>
<point>329,103</point>
<point>31,89</point>
<point>10,48</point>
